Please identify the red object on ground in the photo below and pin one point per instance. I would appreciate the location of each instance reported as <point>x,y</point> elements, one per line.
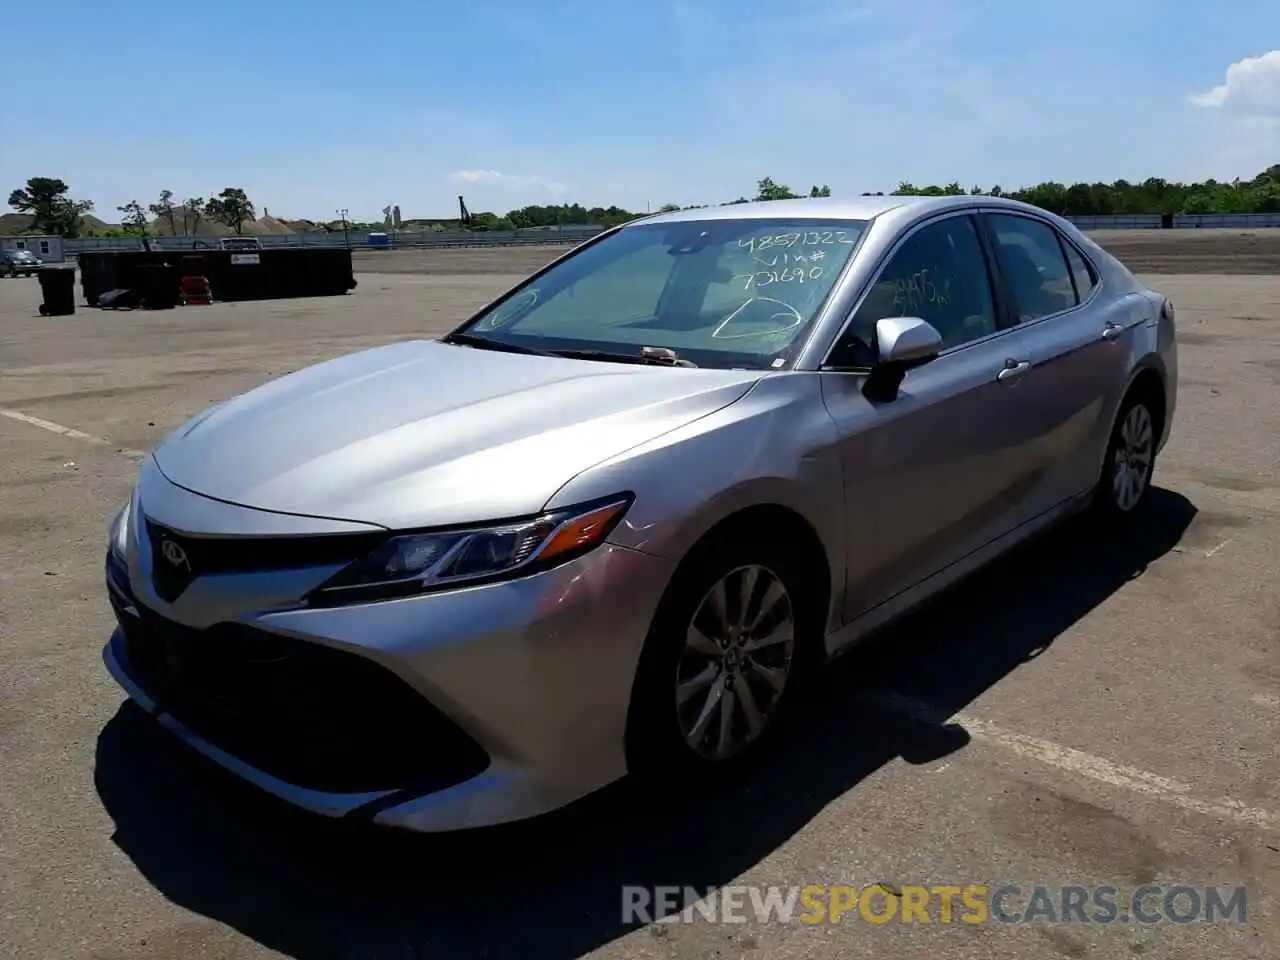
<point>195,290</point>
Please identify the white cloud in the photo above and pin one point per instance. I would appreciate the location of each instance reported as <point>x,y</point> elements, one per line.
<point>476,176</point>
<point>1252,87</point>
<point>513,180</point>
<point>1240,119</point>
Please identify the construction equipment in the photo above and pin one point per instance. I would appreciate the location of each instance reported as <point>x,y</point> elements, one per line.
<point>467,218</point>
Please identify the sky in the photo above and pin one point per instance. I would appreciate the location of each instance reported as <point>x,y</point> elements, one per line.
<point>320,105</point>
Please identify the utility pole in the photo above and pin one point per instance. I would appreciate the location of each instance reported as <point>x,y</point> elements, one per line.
<point>346,237</point>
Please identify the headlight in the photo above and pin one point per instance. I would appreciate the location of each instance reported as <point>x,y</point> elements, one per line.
<point>118,535</point>
<point>434,560</point>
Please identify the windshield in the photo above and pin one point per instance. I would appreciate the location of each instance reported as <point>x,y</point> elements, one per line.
<point>720,293</point>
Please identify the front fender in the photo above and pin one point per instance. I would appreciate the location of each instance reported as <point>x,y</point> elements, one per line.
<point>775,446</point>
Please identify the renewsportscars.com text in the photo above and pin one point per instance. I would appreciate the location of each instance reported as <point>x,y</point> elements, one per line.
<point>935,903</point>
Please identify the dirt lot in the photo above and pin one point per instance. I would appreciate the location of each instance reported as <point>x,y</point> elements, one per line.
<point>1114,705</point>
<point>1232,252</point>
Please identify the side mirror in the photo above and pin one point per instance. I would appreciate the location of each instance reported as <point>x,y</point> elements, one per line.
<point>909,341</point>
<point>904,343</point>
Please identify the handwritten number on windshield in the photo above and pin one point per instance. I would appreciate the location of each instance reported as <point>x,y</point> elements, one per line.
<point>808,238</point>
<point>763,278</point>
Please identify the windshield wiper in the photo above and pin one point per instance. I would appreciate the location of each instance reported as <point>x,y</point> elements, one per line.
<point>484,343</point>
<point>653,356</point>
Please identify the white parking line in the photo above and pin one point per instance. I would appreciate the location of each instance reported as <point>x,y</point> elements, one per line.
<point>1082,764</point>
<point>1215,550</point>
<point>70,432</point>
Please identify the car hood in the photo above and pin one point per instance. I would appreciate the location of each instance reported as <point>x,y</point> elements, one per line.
<point>423,433</point>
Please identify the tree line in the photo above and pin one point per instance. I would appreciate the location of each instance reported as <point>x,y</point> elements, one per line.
<point>53,211</point>
<point>1153,195</point>
<point>231,208</point>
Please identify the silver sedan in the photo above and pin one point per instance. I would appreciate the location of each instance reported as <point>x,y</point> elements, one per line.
<point>615,520</point>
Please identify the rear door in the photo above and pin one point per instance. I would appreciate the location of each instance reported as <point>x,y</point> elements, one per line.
<point>1075,332</point>
<point>939,471</point>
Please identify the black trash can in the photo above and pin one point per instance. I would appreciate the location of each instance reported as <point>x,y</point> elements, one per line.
<point>58,286</point>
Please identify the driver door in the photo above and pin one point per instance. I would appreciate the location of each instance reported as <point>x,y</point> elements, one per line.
<point>940,470</point>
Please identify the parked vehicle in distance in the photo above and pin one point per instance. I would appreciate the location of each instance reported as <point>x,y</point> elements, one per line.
<point>19,262</point>
<point>614,521</point>
<point>239,243</point>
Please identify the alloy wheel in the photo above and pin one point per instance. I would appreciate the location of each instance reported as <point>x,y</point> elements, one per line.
<point>735,663</point>
<point>1135,445</point>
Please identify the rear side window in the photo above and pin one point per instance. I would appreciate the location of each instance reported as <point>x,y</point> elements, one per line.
<point>1081,272</point>
<point>1034,267</point>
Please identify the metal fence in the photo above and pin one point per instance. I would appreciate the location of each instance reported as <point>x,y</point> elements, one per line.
<point>1181,221</point>
<point>1141,221</point>
<point>427,239</point>
<point>1239,221</point>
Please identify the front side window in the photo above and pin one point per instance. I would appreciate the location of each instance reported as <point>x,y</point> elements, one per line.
<point>721,293</point>
<point>939,274</point>
<point>1033,263</point>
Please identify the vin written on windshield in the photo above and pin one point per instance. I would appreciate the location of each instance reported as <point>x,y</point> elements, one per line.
<point>718,293</point>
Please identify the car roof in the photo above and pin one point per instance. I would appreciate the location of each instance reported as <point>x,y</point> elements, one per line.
<point>830,208</point>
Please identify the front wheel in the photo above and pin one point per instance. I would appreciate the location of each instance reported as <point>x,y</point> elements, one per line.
<point>1130,461</point>
<point>730,645</point>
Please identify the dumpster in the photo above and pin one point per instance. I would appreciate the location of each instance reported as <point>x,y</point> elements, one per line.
<point>156,285</point>
<point>58,287</point>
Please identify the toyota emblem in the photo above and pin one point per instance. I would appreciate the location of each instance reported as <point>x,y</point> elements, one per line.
<point>174,554</point>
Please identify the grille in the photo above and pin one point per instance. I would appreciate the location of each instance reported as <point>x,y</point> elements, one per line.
<point>304,713</point>
<point>178,558</point>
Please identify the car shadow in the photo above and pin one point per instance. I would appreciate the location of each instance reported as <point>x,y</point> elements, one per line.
<point>552,887</point>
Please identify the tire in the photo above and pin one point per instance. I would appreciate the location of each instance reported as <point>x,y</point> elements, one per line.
<point>663,738</point>
<point>1129,464</point>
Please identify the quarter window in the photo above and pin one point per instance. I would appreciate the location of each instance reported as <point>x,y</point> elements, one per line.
<point>1083,274</point>
<point>1033,265</point>
<point>939,275</point>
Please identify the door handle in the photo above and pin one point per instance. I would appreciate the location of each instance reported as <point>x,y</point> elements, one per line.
<point>1112,331</point>
<point>1013,369</point>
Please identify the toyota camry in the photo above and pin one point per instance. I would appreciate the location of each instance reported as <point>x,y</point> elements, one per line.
<point>612,523</point>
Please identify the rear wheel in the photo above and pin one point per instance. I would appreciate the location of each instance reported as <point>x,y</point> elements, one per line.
<point>731,644</point>
<point>1130,460</point>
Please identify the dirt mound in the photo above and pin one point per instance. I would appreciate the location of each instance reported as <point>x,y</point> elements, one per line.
<point>13,224</point>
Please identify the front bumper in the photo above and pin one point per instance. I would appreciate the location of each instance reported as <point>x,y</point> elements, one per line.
<point>446,711</point>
